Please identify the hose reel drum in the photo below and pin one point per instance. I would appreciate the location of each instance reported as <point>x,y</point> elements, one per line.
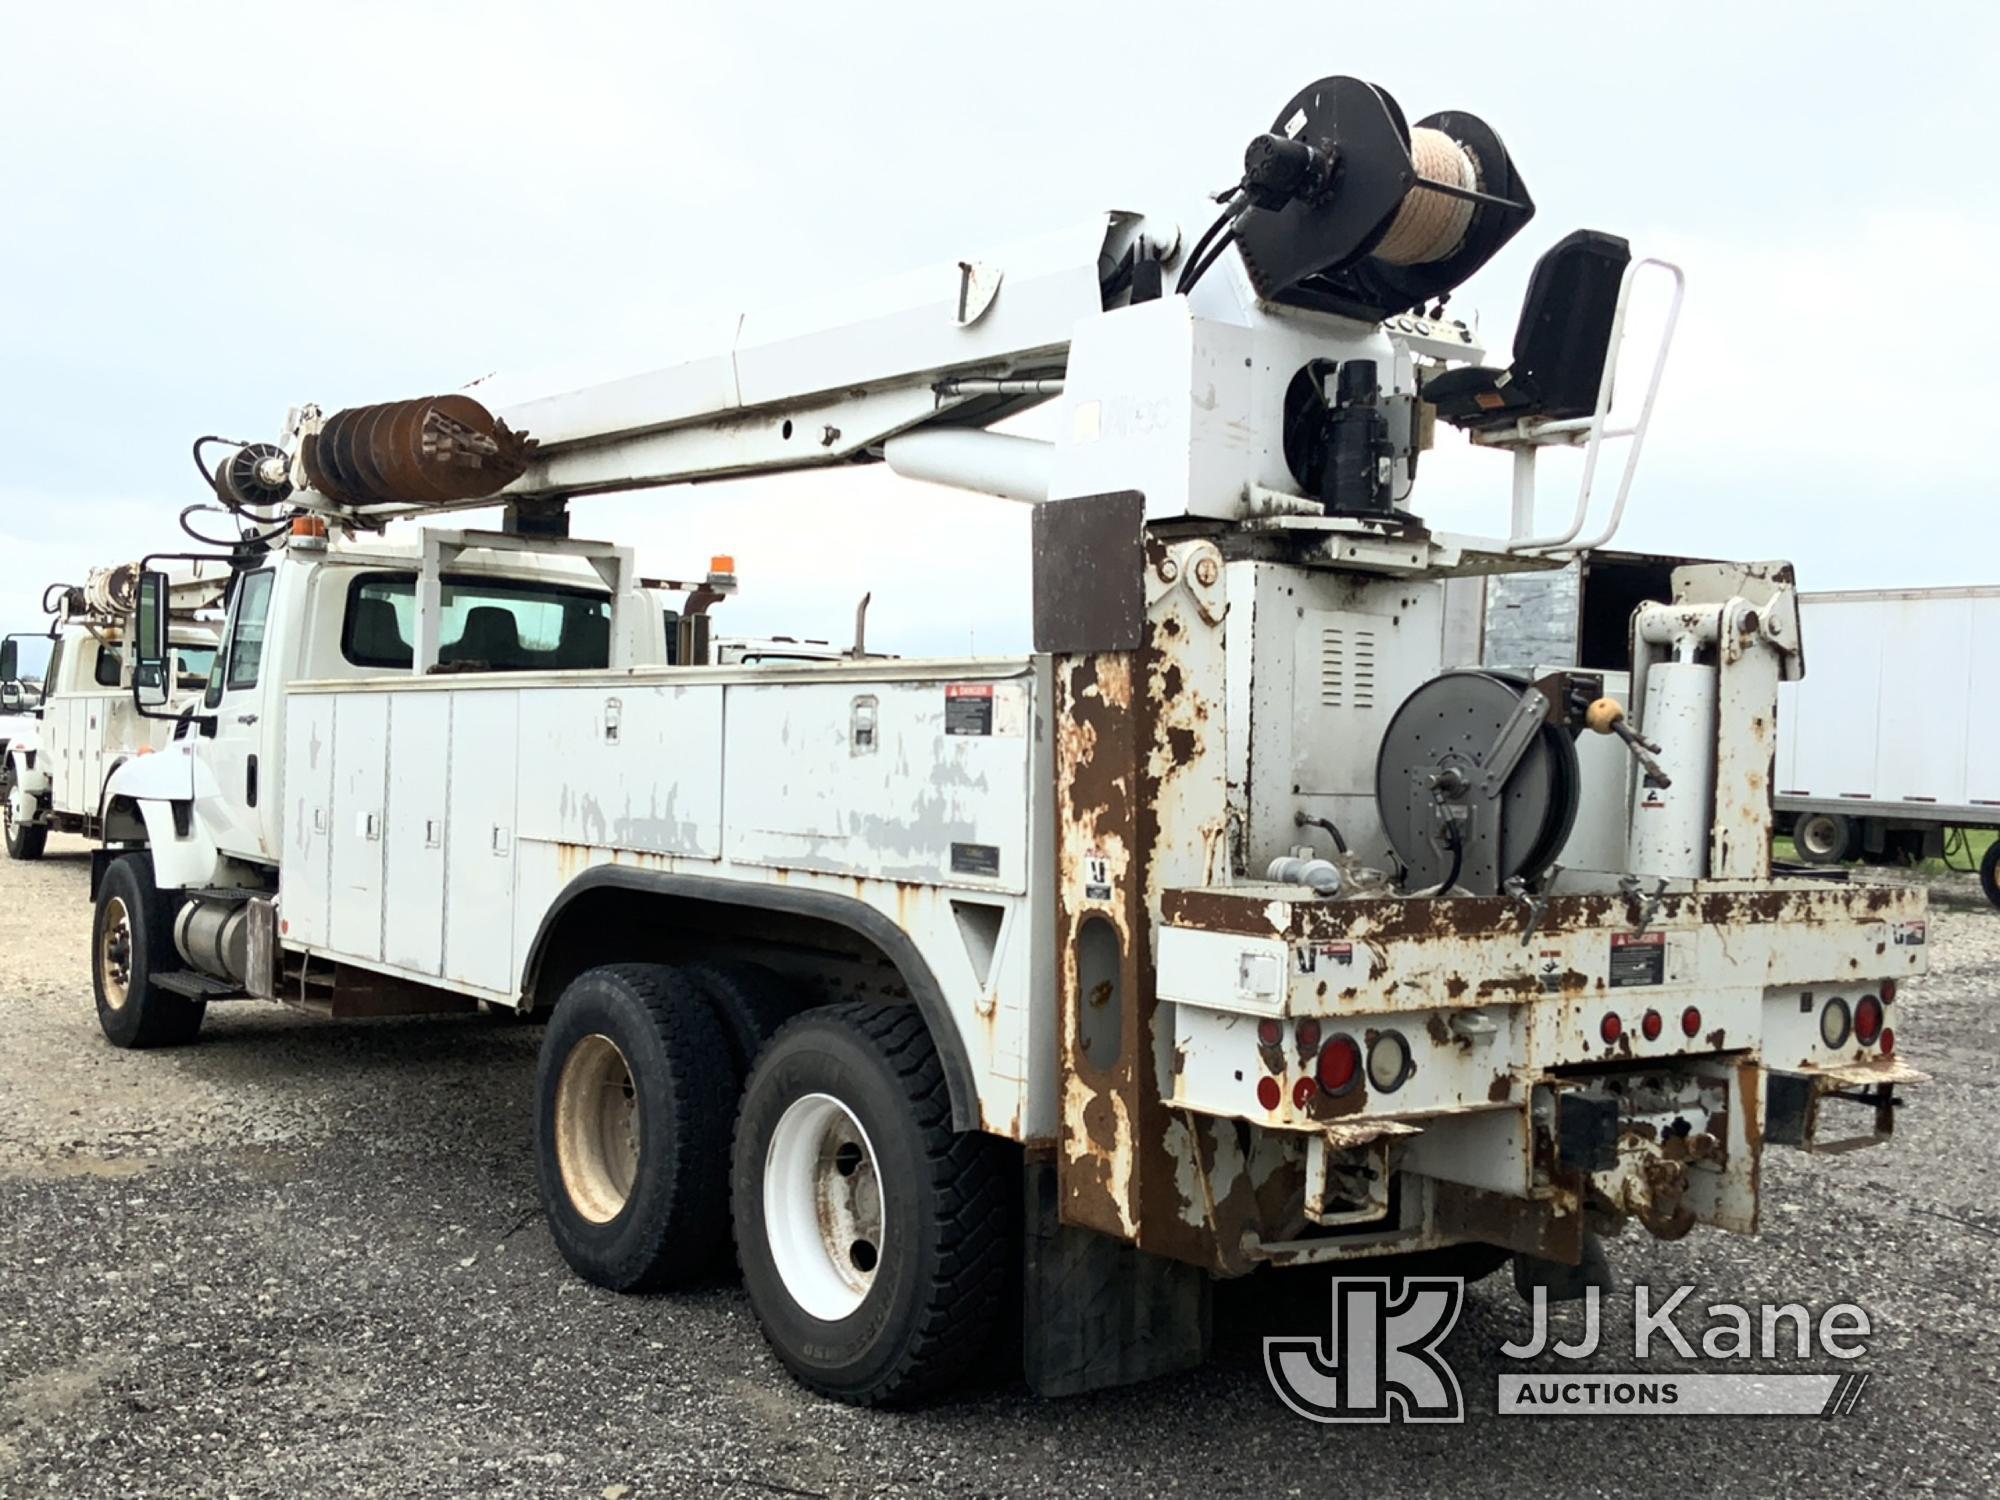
<point>1477,782</point>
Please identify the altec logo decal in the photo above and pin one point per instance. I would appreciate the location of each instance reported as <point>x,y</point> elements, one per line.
<point>1379,1362</point>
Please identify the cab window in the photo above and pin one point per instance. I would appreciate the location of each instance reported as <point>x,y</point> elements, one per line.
<point>242,658</point>
<point>110,664</point>
<point>487,625</point>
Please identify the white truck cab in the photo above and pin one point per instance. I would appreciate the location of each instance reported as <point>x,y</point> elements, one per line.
<point>56,757</point>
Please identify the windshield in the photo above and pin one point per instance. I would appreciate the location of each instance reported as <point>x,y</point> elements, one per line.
<point>192,664</point>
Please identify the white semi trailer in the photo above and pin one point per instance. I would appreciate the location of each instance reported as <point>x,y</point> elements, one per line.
<point>1893,744</point>
<point>1224,931</point>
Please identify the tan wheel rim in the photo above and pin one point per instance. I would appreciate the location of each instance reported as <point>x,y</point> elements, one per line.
<point>597,1129</point>
<point>114,953</point>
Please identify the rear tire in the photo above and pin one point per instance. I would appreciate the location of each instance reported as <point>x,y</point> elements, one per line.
<point>1989,872</point>
<point>1823,838</point>
<point>634,1094</point>
<point>26,840</point>
<point>875,1240</point>
<point>750,1002</point>
<point>131,940</point>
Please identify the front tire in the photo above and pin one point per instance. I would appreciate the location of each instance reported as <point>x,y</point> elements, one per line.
<point>874,1239</point>
<point>131,940</point>
<point>634,1092</point>
<point>23,840</point>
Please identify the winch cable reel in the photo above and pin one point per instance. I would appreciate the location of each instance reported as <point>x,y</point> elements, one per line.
<point>1344,208</point>
<point>1477,783</point>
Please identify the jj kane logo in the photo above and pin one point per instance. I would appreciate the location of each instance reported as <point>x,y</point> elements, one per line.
<point>1380,1359</point>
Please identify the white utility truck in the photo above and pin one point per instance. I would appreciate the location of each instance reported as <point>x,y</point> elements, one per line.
<point>1892,748</point>
<point>1224,931</point>
<point>55,761</point>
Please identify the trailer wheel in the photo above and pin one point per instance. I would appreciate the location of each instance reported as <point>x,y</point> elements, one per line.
<point>1823,838</point>
<point>24,840</point>
<point>634,1092</point>
<point>874,1239</point>
<point>131,940</point>
<point>1989,872</point>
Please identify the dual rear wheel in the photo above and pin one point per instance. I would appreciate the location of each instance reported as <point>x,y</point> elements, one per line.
<point>874,1240</point>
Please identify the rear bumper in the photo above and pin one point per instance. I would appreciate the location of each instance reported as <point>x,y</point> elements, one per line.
<point>1618,1063</point>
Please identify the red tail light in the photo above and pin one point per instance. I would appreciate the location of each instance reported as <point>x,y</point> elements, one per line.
<point>1868,1019</point>
<point>1610,1028</point>
<point>1268,1092</point>
<point>1690,1021</point>
<point>1270,1033</point>
<point>1650,1025</point>
<point>1339,1065</point>
<point>1888,990</point>
<point>1888,1041</point>
<point>1308,1034</point>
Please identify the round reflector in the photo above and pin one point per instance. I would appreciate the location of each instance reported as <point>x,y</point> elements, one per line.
<point>1388,1062</point>
<point>1888,1041</point>
<point>1269,1033</point>
<point>1610,1028</point>
<point>1868,1019</point>
<point>1888,990</point>
<point>1268,1092</point>
<point>1650,1025</point>
<point>1339,1065</point>
<point>1308,1035</point>
<point>1690,1021</point>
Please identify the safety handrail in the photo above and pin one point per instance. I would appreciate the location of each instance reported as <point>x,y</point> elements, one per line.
<point>1530,436</point>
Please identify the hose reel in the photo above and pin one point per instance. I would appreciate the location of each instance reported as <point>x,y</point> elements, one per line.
<point>1477,782</point>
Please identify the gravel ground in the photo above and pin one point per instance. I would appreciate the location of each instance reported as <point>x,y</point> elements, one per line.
<point>301,1258</point>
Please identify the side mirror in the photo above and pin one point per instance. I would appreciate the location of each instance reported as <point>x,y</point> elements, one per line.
<point>10,661</point>
<point>152,660</point>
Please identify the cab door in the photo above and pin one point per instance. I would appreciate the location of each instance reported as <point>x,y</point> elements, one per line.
<point>240,689</point>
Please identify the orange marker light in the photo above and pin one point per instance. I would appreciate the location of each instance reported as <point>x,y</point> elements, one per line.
<point>722,562</point>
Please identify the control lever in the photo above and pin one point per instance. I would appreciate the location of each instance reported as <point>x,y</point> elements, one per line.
<point>1607,716</point>
<point>1532,907</point>
<point>1649,906</point>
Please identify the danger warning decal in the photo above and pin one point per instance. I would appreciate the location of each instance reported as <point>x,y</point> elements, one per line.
<point>968,708</point>
<point>1638,958</point>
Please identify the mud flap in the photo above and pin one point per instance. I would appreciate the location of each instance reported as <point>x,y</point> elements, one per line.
<point>1098,1312</point>
<point>1561,1283</point>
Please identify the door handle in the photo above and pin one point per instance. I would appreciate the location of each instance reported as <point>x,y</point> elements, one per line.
<point>246,718</point>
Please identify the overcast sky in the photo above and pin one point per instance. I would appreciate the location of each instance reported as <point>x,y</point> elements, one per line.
<point>209,212</point>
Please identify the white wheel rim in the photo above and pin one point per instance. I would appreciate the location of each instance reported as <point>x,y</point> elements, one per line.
<point>823,1206</point>
<point>114,953</point>
<point>1816,834</point>
<point>597,1129</point>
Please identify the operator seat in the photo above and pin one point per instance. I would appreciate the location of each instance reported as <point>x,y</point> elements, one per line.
<point>490,640</point>
<point>1560,343</point>
<point>376,639</point>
